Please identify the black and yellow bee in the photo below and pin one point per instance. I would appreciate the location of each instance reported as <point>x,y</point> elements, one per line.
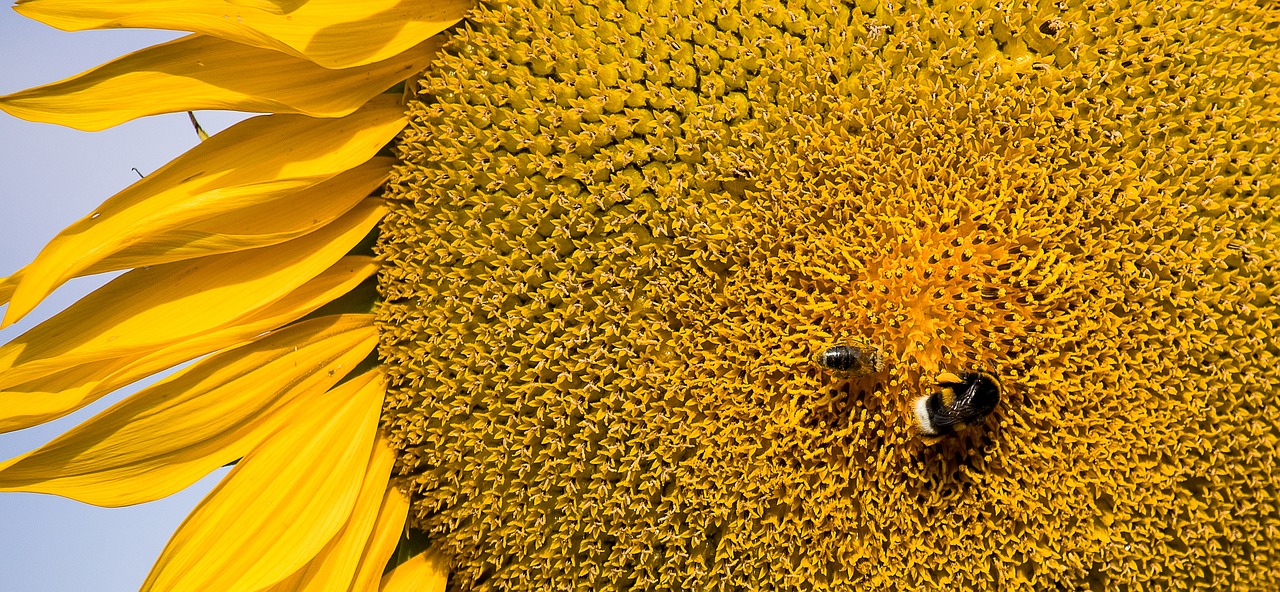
<point>961,401</point>
<point>853,359</point>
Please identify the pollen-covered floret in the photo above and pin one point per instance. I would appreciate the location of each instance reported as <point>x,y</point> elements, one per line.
<point>622,229</point>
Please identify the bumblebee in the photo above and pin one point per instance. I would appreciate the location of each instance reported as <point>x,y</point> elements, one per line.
<point>851,360</point>
<point>962,400</point>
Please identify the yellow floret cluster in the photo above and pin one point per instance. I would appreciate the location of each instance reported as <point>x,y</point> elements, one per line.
<point>623,230</point>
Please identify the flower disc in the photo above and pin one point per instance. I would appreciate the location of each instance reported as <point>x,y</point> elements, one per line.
<point>621,232</point>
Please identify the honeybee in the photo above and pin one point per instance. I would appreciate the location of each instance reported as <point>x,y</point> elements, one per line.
<point>854,359</point>
<point>961,401</point>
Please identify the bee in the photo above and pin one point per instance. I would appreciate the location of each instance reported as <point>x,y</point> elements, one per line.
<point>961,401</point>
<point>851,360</point>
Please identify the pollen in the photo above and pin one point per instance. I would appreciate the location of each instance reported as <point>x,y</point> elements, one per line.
<point>621,230</point>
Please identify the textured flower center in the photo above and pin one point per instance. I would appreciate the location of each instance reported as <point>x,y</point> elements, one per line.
<point>624,230</point>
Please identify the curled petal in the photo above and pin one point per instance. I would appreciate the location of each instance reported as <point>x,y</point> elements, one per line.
<point>387,531</point>
<point>150,308</point>
<point>150,319</point>
<point>332,33</point>
<point>54,395</point>
<point>335,567</point>
<point>203,72</point>
<point>281,505</point>
<point>260,225</point>
<point>168,436</point>
<point>256,161</point>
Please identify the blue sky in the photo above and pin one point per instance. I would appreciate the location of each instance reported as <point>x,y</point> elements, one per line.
<point>49,177</point>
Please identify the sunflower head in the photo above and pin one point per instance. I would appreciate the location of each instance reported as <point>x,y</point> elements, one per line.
<point>616,240</point>
<point>622,232</point>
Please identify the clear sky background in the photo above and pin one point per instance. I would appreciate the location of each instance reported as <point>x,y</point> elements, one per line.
<point>50,177</point>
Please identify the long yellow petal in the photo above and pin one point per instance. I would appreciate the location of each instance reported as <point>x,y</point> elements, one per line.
<point>332,33</point>
<point>58,394</point>
<point>202,72</point>
<point>150,308</point>
<point>382,542</point>
<point>335,566</point>
<point>166,437</point>
<point>283,503</point>
<point>250,227</point>
<point>258,160</point>
<point>424,572</point>
<point>257,225</point>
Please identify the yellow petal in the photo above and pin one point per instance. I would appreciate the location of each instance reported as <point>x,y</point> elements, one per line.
<point>151,308</point>
<point>53,396</point>
<point>283,503</point>
<point>387,532</point>
<point>166,437</point>
<point>424,572</point>
<point>332,33</point>
<point>202,72</point>
<point>257,225</point>
<point>258,160</point>
<point>335,566</point>
<point>250,227</point>
<point>261,224</point>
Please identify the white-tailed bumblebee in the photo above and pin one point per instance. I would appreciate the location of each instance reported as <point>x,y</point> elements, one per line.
<point>962,400</point>
<point>854,359</point>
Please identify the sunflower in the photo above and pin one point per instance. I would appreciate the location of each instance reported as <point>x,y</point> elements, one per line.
<point>252,252</point>
<point>547,318</point>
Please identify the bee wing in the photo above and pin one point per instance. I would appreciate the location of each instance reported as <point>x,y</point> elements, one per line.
<point>985,400</point>
<point>969,406</point>
<point>946,418</point>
